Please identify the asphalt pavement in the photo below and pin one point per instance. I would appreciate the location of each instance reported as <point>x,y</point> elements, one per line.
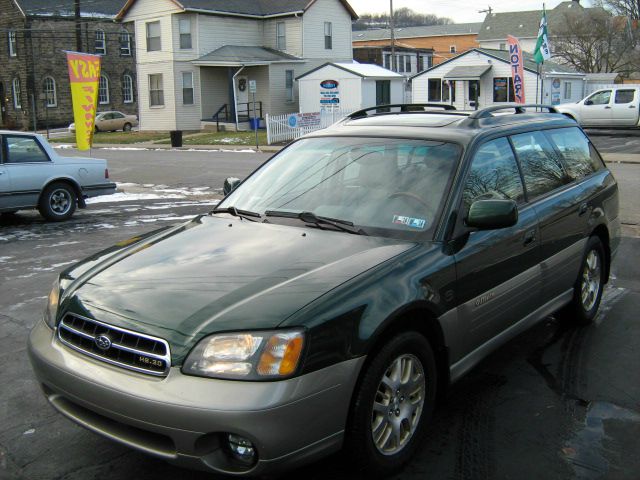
<point>558,402</point>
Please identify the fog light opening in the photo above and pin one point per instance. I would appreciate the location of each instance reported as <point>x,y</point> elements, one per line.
<point>242,449</point>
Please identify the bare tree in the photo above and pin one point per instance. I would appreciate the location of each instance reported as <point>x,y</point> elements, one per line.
<point>594,41</point>
<point>624,8</point>
<point>402,17</point>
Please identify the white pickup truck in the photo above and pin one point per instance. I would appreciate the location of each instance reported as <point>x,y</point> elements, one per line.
<point>608,107</point>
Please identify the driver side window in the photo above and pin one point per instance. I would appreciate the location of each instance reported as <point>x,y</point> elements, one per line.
<point>493,175</point>
<point>599,98</point>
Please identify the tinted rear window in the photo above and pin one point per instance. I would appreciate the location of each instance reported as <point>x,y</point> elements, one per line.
<point>574,146</point>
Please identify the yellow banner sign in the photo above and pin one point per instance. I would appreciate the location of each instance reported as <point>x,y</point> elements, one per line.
<point>84,76</point>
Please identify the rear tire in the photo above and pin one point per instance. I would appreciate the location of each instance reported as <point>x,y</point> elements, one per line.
<point>58,202</point>
<point>127,127</point>
<point>391,406</point>
<point>589,286</point>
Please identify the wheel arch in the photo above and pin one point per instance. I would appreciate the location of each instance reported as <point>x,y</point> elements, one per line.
<point>422,318</point>
<point>69,181</point>
<point>602,232</point>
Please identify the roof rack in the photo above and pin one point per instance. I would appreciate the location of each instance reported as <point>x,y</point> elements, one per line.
<point>404,107</point>
<point>488,111</point>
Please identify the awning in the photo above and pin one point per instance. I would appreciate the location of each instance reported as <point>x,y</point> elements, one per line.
<point>469,72</point>
<point>236,56</point>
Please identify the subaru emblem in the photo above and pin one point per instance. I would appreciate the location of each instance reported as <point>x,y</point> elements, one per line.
<point>103,342</point>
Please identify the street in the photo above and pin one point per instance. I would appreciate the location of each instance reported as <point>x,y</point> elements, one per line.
<point>557,402</point>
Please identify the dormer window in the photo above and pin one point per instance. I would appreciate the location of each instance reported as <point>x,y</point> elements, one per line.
<point>281,34</point>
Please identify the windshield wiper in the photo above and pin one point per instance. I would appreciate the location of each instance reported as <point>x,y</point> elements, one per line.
<point>310,217</point>
<point>245,214</point>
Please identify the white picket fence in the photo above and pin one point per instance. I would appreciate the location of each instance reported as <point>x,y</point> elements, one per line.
<point>279,129</point>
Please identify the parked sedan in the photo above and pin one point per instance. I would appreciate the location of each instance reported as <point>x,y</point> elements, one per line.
<point>33,175</point>
<point>112,121</point>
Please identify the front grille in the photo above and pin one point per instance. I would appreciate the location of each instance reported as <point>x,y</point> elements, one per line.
<point>115,345</point>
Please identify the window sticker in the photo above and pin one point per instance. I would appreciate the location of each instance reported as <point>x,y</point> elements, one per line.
<point>409,221</point>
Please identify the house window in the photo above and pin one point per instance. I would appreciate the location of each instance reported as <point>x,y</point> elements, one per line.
<point>429,61</point>
<point>452,49</point>
<point>567,90</point>
<point>184,25</point>
<point>289,84</point>
<point>127,88</point>
<point>17,94</point>
<point>328,36</point>
<point>13,51</point>
<point>503,90</point>
<point>435,90</point>
<point>125,43</point>
<point>281,34</point>
<point>103,90</point>
<point>407,61</point>
<point>156,93</point>
<point>387,61</point>
<point>49,90</point>
<point>420,63</point>
<point>400,63</point>
<point>101,42</point>
<point>187,88</point>
<point>153,37</point>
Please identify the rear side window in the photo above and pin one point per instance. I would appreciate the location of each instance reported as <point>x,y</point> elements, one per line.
<point>21,149</point>
<point>574,146</point>
<point>493,175</point>
<point>541,165</point>
<point>625,96</point>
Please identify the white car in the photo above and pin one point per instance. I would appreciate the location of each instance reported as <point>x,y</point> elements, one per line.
<point>608,107</point>
<point>33,175</point>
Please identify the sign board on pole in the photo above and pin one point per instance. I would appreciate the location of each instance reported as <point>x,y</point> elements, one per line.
<point>303,120</point>
<point>252,86</point>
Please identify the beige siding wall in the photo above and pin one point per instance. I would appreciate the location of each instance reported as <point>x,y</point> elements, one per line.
<point>187,116</point>
<point>184,54</point>
<point>214,91</point>
<point>293,34</point>
<point>313,27</point>
<point>215,32</point>
<point>156,118</point>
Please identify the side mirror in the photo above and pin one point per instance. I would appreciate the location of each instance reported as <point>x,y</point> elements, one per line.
<point>588,102</point>
<point>492,214</point>
<point>230,185</point>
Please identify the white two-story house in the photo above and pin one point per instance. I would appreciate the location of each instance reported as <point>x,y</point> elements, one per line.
<point>196,58</point>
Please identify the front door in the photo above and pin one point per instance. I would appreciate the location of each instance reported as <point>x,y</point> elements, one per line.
<point>474,94</point>
<point>498,270</point>
<point>383,92</point>
<point>596,109</point>
<point>242,95</point>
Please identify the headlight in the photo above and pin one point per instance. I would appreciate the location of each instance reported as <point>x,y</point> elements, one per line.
<point>51,310</point>
<point>246,355</point>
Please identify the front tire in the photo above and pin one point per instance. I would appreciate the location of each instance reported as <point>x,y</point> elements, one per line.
<point>588,289</point>
<point>392,405</point>
<point>58,202</point>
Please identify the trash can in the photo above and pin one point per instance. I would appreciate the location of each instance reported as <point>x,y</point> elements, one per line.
<point>176,138</point>
<point>254,123</point>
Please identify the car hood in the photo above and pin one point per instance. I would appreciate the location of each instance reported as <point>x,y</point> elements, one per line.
<point>219,274</point>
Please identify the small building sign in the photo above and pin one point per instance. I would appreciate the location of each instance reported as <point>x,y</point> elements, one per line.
<point>252,86</point>
<point>302,120</point>
<point>329,93</point>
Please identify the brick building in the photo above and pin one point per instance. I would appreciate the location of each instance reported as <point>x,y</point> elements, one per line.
<point>34,83</point>
<point>445,41</point>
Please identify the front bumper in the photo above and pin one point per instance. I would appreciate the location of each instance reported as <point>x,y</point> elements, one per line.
<point>184,419</point>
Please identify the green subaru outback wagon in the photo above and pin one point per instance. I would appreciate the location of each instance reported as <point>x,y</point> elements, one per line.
<point>335,292</point>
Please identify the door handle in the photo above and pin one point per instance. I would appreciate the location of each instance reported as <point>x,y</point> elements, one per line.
<point>607,107</point>
<point>632,106</point>
<point>583,209</point>
<point>529,237</point>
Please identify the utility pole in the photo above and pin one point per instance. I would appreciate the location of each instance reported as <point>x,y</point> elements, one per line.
<point>76,5</point>
<point>393,39</point>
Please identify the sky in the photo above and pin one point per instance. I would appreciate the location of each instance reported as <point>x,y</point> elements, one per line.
<point>460,11</point>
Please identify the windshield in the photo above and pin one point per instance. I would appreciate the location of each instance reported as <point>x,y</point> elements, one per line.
<point>384,186</point>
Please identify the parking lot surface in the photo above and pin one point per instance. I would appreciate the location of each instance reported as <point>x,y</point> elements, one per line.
<point>557,402</point>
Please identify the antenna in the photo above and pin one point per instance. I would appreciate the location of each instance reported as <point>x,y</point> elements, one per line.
<point>487,10</point>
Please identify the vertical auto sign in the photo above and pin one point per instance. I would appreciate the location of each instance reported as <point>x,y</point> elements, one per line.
<point>517,68</point>
<point>84,76</point>
<point>329,94</point>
